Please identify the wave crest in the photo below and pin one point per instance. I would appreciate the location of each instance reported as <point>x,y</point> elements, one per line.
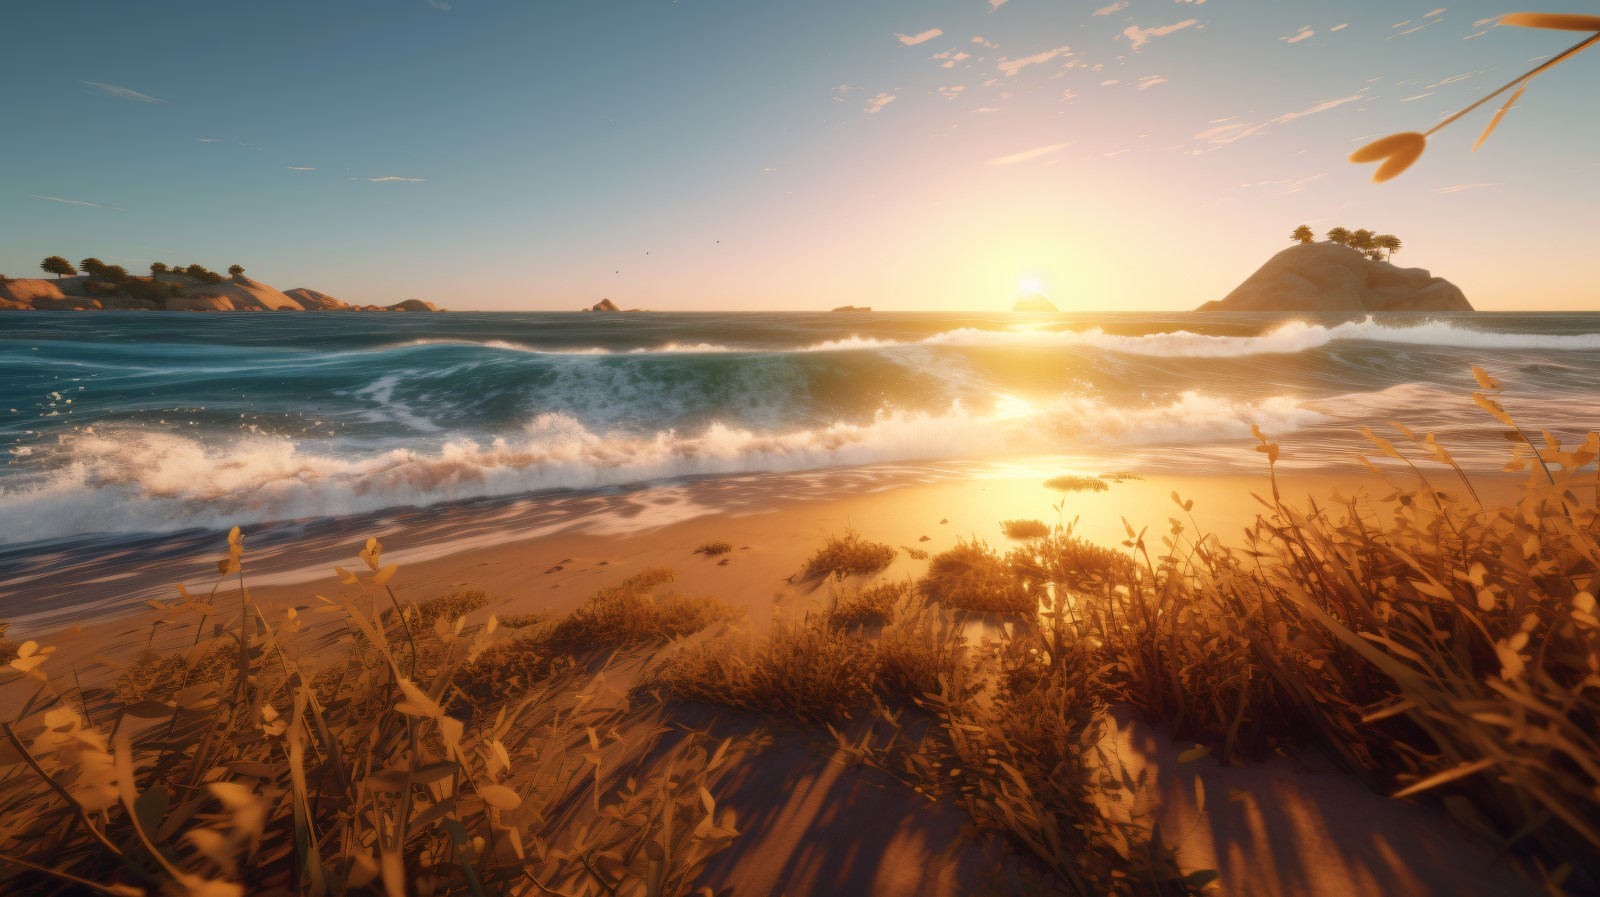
<point>140,480</point>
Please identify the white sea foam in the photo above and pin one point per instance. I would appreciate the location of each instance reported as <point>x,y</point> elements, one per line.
<point>1285,339</point>
<point>1288,338</point>
<point>140,480</point>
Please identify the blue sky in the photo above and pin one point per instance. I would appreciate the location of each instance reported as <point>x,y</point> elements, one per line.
<point>676,155</point>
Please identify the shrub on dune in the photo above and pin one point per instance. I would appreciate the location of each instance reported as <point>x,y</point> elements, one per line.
<point>847,555</point>
<point>972,577</point>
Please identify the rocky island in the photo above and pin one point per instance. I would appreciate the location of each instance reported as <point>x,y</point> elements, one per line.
<point>101,287</point>
<point>1338,277</point>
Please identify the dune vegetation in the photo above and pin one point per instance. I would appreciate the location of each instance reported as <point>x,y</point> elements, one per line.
<point>1444,650</point>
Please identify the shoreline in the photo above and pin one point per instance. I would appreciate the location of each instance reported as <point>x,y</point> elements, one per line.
<point>548,553</point>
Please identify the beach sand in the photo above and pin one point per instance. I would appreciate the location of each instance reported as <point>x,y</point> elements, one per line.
<point>812,823</point>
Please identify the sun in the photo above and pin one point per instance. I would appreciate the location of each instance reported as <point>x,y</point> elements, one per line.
<point>1030,286</point>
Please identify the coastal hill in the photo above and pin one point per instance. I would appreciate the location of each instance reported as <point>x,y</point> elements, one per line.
<point>1332,277</point>
<point>112,288</point>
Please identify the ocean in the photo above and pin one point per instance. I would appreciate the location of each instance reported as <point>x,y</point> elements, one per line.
<point>144,423</point>
<point>133,440</point>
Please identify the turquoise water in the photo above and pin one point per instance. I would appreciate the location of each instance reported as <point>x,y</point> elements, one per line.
<point>154,423</point>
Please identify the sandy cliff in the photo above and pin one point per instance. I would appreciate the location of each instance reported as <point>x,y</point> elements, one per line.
<point>237,293</point>
<point>1333,278</point>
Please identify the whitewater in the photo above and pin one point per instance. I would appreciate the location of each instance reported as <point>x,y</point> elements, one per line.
<point>148,423</point>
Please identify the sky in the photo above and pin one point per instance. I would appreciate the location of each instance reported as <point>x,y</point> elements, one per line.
<point>717,154</point>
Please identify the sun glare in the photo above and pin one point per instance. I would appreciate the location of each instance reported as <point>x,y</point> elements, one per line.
<point>1030,285</point>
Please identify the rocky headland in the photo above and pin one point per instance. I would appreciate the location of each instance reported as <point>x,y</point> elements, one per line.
<point>1330,277</point>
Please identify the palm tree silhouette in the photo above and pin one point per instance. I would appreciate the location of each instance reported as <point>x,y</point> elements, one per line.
<point>1339,235</point>
<point>1361,240</point>
<point>1389,243</point>
<point>1302,234</point>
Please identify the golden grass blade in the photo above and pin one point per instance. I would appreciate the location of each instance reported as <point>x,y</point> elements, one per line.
<point>1495,123</point>
<point>1449,775</point>
<point>1397,152</point>
<point>1494,408</point>
<point>1552,21</point>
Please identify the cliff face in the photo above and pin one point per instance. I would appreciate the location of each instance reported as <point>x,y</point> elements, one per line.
<point>311,300</point>
<point>240,292</point>
<point>1327,277</point>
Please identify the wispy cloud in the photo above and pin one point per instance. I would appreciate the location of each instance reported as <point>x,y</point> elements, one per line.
<point>1299,185</point>
<point>979,40</point>
<point>1012,66</point>
<point>911,40</point>
<point>1462,187</point>
<point>1029,155</point>
<point>1115,7</point>
<point>126,93</point>
<point>1150,81</point>
<point>1340,27</point>
<point>70,202</point>
<point>390,178</point>
<point>440,4</point>
<point>996,4</point>
<point>209,139</point>
<point>301,168</point>
<point>877,103</point>
<point>1141,36</point>
<point>952,92</point>
<point>1323,106</point>
<point>1223,135</point>
<point>1305,32</point>
<point>1230,130</point>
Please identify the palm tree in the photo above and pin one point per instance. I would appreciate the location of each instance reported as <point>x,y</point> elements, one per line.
<point>1389,243</point>
<point>1361,240</point>
<point>1339,235</point>
<point>58,266</point>
<point>1302,234</point>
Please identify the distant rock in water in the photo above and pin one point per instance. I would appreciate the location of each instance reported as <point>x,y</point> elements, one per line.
<point>854,308</point>
<point>1334,278</point>
<point>1034,302</point>
<point>604,305</point>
